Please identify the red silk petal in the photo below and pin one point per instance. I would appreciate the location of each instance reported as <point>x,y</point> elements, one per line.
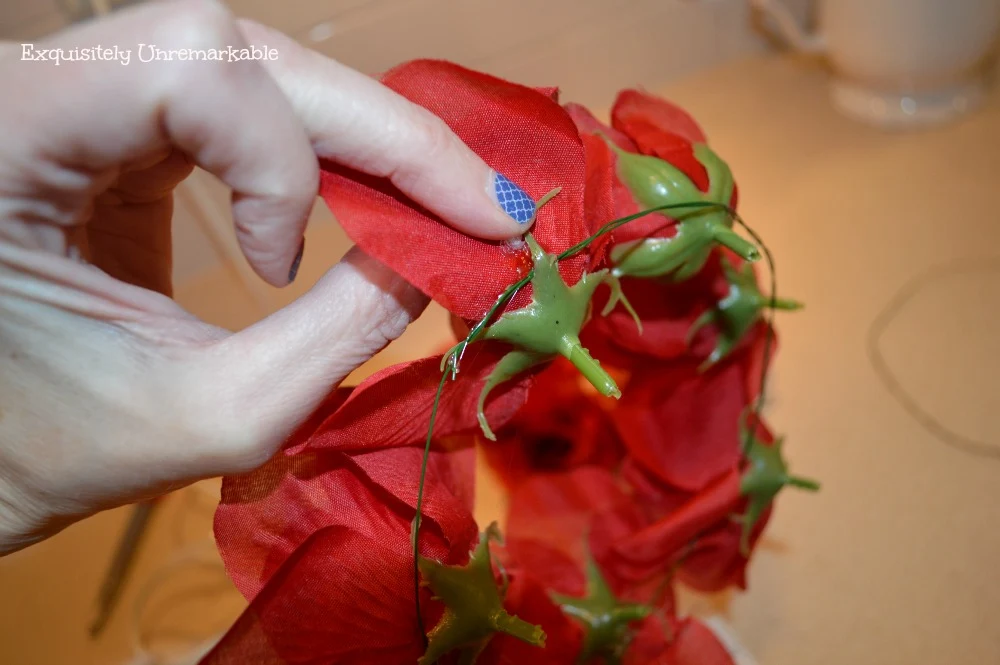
<point>264,516</point>
<point>341,597</point>
<point>521,133</point>
<point>527,599</point>
<point>600,197</point>
<point>653,549</point>
<point>650,640</point>
<point>392,408</point>
<point>716,561</point>
<point>659,128</point>
<point>589,125</point>
<point>683,425</point>
<point>554,516</point>
<point>635,106</point>
<point>695,644</point>
<point>682,428</point>
<point>623,202</point>
<point>667,310</point>
<point>562,425</point>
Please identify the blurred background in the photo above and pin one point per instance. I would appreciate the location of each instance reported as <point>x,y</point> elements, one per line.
<point>873,184</point>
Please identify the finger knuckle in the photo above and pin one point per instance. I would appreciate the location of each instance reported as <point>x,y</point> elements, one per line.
<point>384,322</point>
<point>436,138</point>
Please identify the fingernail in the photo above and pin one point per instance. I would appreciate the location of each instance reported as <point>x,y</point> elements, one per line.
<point>513,200</point>
<point>294,270</point>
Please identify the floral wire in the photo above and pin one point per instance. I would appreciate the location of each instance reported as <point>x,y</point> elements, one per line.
<point>615,223</point>
<point>769,336</point>
<point>450,363</point>
<point>505,297</point>
<point>420,501</point>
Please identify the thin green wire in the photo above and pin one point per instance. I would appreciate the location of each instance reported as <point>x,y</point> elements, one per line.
<point>415,536</point>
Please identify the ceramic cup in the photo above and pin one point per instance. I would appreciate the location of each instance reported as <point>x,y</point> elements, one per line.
<point>900,63</point>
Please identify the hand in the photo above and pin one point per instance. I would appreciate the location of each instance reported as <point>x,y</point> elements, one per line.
<point>110,392</point>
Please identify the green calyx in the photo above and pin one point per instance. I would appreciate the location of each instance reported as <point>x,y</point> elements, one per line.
<point>605,621</point>
<point>473,606</point>
<point>546,328</point>
<point>737,312</point>
<point>765,475</point>
<point>655,182</point>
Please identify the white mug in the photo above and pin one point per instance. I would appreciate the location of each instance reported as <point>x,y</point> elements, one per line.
<point>899,63</point>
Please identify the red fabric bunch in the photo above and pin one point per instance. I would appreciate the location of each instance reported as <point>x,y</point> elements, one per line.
<point>611,502</point>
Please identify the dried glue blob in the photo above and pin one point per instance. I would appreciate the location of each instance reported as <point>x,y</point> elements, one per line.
<point>655,182</point>
<point>474,610</point>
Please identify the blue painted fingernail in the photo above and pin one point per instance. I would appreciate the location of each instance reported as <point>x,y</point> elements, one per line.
<point>513,200</point>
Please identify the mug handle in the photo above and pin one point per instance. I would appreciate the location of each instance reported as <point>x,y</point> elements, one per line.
<point>788,28</point>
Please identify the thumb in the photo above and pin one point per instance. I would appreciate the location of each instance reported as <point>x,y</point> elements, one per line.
<point>280,369</point>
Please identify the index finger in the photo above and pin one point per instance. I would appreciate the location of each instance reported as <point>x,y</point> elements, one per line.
<point>354,120</point>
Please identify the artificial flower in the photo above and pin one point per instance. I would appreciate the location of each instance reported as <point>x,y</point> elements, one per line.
<point>562,425</point>
<point>525,135</point>
<point>519,131</point>
<point>708,534</point>
<point>682,423</point>
<point>320,542</point>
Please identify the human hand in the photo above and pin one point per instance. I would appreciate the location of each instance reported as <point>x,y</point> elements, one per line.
<point>109,391</point>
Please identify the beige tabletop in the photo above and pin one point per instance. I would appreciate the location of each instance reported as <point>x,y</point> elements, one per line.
<point>895,561</point>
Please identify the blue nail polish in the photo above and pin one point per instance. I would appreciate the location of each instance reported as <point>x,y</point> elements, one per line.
<point>513,200</point>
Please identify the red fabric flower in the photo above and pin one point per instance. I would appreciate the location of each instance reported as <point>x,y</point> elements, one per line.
<point>656,548</point>
<point>697,534</point>
<point>266,515</point>
<point>651,126</point>
<point>552,526</point>
<point>683,424</point>
<point>320,542</point>
<point>648,125</point>
<point>562,528</point>
<point>555,517</point>
<point>667,311</point>
<point>661,129</point>
<point>562,425</point>
<point>716,561</point>
<point>522,133</point>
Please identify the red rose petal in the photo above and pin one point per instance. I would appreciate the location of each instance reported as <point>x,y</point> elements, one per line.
<point>654,549</point>
<point>715,561</point>
<point>521,133</point>
<point>392,408</point>
<point>341,597</point>
<point>661,129</point>
<point>682,424</point>
<point>553,518</point>
<point>264,516</point>
<point>637,106</point>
